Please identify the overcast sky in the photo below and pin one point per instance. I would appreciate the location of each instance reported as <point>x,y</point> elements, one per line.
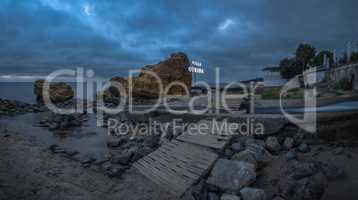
<point>240,36</point>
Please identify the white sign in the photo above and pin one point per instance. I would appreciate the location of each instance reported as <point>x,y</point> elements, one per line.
<point>196,67</point>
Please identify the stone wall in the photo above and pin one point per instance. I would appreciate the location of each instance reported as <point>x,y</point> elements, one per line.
<point>349,72</point>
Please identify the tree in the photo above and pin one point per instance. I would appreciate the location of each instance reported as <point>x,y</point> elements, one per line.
<point>290,67</point>
<point>319,58</point>
<point>353,59</point>
<point>305,54</point>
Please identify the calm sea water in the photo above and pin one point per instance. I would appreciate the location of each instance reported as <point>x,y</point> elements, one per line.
<point>17,91</point>
<point>17,84</point>
<point>22,90</point>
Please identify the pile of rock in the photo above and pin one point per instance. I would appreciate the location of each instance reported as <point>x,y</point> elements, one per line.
<point>11,107</point>
<point>235,175</point>
<point>128,150</point>
<point>57,121</point>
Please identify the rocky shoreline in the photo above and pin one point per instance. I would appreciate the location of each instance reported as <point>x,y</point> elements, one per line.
<point>288,164</point>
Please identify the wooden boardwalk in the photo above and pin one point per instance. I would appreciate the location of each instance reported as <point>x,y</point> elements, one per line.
<point>176,165</point>
<point>179,164</point>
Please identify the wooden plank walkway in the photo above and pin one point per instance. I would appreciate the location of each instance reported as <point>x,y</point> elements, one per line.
<point>213,137</point>
<point>179,164</point>
<point>176,165</point>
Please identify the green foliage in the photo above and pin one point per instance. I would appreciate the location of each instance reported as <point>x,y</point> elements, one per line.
<point>319,58</point>
<point>271,93</point>
<point>344,84</point>
<point>344,59</point>
<point>305,54</point>
<point>290,67</point>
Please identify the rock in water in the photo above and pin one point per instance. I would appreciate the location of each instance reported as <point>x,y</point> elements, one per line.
<point>231,176</point>
<point>145,85</point>
<point>248,193</point>
<point>59,92</point>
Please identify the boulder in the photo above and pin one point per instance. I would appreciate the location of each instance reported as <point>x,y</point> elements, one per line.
<point>272,144</point>
<point>300,170</point>
<point>245,156</point>
<point>338,151</point>
<point>229,197</point>
<point>123,158</point>
<point>288,143</point>
<point>310,188</point>
<point>59,92</point>
<point>291,155</point>
<point>237,147</point>
<point>331,171</point>
<point>303,148</point>
<point>213,196</point>
<point>248,193</point>
<point>173,69</point>
<point>231,176</point>
<point>259,152</point>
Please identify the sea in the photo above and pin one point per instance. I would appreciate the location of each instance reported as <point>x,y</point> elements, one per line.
<point>18,83</point>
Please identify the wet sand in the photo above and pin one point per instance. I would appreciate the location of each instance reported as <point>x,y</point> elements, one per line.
<point>26,172</point>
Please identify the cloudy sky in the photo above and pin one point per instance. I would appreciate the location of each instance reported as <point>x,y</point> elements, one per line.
<point>240,36</point>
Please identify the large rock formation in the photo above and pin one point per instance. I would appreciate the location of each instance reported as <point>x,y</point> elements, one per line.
<point>145,85</point>
<point>59,92</point>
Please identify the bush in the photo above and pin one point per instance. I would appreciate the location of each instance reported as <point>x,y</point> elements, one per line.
<point>344,84</point>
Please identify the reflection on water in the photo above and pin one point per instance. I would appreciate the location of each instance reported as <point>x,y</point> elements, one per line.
<point>88,139</point>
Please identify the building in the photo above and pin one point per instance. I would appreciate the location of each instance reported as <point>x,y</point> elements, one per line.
<point>272,77</point>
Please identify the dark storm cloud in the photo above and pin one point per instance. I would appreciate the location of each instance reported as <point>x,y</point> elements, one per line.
<point>238,35</point>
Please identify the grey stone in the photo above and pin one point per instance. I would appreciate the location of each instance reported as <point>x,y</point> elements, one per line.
<point>245,156</point>
<point>237,147</point>
<point>291,155</point>
<point>213,196</point>
<point>338,151</point>
<point>116,172</point>
<point>260,153</point>
<point>228,153</point>
<point>71,153</point>
<point>310,188</point>
<point>248,193</point>
<point>113,143</point>
<point>87,159</point>
<point>288,143</point>
<point>231,176</point>
<point>272,144</point>
<point>331,171</point>
<point>303,148</point>
<point>106,166</point>
<point>229,197</point>
<point>123,158</point>
<point>100,160</point>
<point>299,170</point>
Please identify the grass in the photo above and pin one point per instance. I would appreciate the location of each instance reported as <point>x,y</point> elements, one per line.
<point>274,93</point>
